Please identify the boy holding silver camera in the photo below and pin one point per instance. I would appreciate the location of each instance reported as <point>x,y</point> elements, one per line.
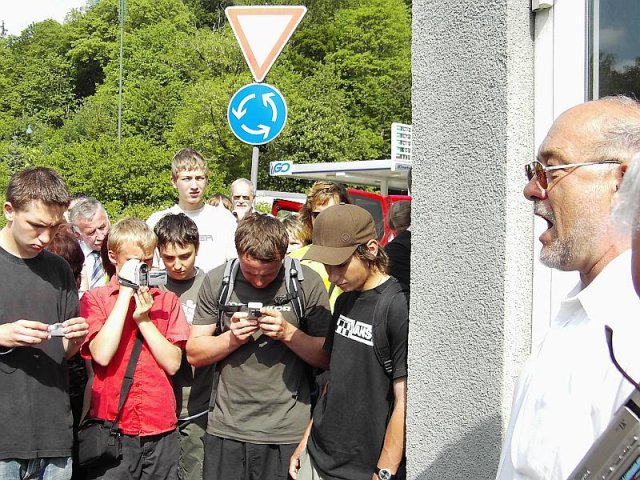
<point>118,313</point>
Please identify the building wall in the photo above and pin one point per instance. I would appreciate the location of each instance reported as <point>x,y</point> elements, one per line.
<point>470,330</point>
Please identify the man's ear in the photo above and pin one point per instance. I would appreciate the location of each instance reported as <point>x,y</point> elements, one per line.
<point>9,211</point>
<point>620,173</point>
<point>173,181</point>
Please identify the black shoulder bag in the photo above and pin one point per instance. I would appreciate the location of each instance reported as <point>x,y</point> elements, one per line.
<point>98,439</point>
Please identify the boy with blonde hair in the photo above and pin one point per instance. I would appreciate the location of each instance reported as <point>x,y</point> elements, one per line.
<point>216,226</point>
<point>117,313</point>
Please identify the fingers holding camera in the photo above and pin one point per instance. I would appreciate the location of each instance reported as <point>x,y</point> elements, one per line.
<point>144,302</point>
<point>274,325</point>
<point>22,333</point>
<point>242,327</point>
<point>75,331</point>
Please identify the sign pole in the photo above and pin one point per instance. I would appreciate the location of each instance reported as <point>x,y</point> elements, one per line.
<point>254,168</point>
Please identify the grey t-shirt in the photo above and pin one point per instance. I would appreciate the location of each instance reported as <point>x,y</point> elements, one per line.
<point>192,386</point>
<point>262,395</point>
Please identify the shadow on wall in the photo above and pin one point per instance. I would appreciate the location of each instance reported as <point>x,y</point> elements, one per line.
<point>475,456</point>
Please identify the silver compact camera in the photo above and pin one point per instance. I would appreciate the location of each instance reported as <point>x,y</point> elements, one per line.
<point>145,277</point>
<point>254,310</point>
<point>56,330</point>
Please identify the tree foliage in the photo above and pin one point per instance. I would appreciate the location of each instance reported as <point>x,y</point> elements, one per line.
<point>345,75</point>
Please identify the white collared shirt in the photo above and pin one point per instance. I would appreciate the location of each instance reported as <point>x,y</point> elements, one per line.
<point>569,389</point>
<point>87,268</point>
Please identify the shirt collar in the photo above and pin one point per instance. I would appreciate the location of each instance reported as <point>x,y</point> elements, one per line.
<point>613,284</point>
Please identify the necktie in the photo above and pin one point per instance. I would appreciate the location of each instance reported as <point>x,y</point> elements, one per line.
<point>97,273</point>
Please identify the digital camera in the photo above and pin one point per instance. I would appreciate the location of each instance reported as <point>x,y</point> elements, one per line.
<point>254,310</point>
<point>145,277</point>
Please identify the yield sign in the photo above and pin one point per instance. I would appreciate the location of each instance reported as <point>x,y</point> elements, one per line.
<point>262,33</point>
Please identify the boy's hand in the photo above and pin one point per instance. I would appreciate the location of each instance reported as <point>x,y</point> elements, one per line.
<point>274,325</point>
<point>76,329</point>
<point>242,327</point>
<point>23,333</point>
<point>128,272</point>
<point>144,302</point>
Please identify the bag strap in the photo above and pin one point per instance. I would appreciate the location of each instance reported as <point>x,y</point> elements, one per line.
<point>226,289</point>
<point>381,345</point>
<point>293,275</point>
<point>128,379</point>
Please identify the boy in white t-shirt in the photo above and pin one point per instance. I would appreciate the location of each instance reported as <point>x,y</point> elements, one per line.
<point>216,226</point>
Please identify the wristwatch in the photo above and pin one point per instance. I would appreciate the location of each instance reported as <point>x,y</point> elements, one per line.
<point>385,474</point>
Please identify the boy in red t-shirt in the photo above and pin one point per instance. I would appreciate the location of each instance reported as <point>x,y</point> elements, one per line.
<point>115,314</point>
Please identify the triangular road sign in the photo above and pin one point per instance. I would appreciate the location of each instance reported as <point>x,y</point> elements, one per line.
<point>262,33</point>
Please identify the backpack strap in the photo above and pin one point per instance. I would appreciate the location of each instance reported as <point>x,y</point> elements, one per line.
<point>293,275</point>
<point>226,288</point>
<point>380,335</point>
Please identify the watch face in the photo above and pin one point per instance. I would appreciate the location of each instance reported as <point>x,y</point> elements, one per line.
<point>384,474</point>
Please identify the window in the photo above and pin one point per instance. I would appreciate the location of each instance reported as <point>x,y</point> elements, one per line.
<point>614,48</point>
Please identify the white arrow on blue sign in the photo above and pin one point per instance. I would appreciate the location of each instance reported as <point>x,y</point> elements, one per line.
<point>257,113</point>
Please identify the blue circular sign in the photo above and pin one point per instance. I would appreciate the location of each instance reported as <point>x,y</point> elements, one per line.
<point>257,113</point>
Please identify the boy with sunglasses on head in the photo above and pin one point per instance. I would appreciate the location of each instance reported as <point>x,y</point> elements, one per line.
<point>357,430</point>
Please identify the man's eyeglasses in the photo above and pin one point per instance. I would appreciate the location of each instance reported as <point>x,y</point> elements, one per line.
<point>242,197</point>
<point>540,171</point>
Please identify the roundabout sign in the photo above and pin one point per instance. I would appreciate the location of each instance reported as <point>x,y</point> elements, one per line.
<point>257,113</point>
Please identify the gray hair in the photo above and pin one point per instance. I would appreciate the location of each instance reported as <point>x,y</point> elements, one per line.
<point>620,130</point>
<point>85,209</point>
<point>241,181</point>
<point>626,208</point>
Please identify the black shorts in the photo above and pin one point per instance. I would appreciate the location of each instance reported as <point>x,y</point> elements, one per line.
<point>226,459</point>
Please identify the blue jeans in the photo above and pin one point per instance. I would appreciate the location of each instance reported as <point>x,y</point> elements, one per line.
<point>56,468</point>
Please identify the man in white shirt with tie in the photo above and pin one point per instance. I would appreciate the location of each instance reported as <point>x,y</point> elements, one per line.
<point>91,225</point>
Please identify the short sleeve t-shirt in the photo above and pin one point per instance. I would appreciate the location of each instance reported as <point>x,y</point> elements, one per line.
<point>216,229</point>
<point>349,423</point>
<point>192,386</point>
<point>34,397</point>
<point>262,395</point>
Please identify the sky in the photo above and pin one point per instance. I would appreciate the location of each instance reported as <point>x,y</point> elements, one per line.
<point>17,15</point>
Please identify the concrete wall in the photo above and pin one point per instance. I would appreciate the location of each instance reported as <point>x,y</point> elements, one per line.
<point>472,248</point>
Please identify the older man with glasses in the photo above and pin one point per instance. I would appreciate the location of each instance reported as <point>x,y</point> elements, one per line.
<point>569,388</point>
<point>242,196</point>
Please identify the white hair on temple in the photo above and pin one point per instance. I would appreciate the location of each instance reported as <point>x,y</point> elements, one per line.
<point>625,214</point>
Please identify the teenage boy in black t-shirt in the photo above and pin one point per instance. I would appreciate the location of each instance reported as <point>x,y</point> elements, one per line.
<point>357,431</point>
<point>37,290</point>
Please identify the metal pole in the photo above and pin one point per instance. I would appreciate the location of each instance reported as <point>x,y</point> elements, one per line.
<point>254,168</point>
<point>122,13</point>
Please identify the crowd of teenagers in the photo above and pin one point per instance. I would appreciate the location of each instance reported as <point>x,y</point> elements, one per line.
<point>277,349</point>
<point>209,341</point>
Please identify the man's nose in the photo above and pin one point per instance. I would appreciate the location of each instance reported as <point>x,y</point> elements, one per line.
<point>533,190</point>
